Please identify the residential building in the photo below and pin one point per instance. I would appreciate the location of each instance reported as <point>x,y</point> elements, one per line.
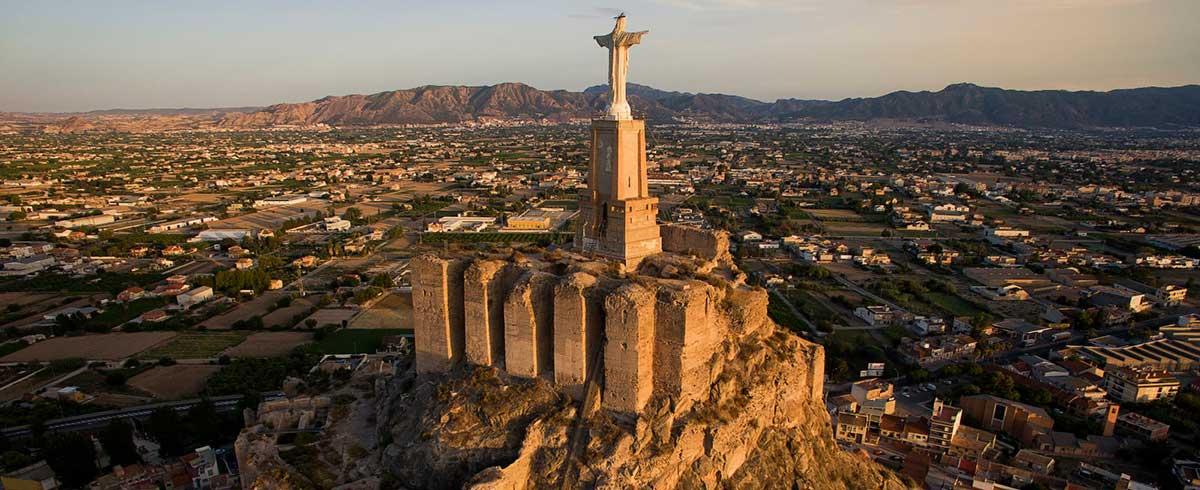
<point>1021,331</point>
<point>335,224</point>
<point>1143,426</point>
<point>852,427</point>
<point>1140,385</point>
<point>875,398</point>
<point>1171,295</point>
<point>202,466</point>
<point>1120,297</point>
<point>944,423</point>
<point>936,349</point>
<point>1022,421</point>
<point>876,315</point>
<point>925,326</point>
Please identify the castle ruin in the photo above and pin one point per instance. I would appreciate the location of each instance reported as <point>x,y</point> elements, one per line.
<point>638,310</point>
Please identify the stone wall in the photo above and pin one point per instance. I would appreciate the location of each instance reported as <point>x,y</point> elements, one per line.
<point>566,322</point>
<point>690,240</point>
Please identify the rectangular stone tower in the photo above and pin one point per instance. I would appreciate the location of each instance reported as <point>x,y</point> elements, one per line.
<point>619,219</point>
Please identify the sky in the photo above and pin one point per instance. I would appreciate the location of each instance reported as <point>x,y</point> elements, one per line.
<point>67,55</point>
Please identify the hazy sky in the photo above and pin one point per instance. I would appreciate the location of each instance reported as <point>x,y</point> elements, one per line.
<point>58,55</point>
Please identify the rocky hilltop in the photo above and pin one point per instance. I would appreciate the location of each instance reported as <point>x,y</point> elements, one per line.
<point>754,417</point>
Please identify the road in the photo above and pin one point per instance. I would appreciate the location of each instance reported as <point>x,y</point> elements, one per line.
<point>795,311</point>
<point>98,420</point>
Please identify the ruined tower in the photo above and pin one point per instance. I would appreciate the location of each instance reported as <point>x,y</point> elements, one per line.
<point>618,217</point>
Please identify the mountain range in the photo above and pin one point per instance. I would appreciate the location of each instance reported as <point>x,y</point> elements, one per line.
<point>959,103</point>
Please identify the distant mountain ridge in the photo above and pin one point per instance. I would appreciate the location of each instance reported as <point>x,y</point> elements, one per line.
<point>958,103</point>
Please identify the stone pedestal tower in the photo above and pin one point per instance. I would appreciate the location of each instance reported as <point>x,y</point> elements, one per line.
<point>618,218</point>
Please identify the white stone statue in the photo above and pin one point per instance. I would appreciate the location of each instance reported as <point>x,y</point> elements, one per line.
<point>618,43</point>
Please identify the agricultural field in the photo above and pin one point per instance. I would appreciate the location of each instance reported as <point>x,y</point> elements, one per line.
<point>272,218</point>
<point>174,382</point>
<point>286,317</point>
<point>392,311</point>
<point>328,316</point>
<point>32,313</point>
<point>850,228</point>
<point>110,346</point>
<point>197,345</point>
<point>259,306</point>
<point>18,381</point>
<point>834,214</point>
<point>269,344</point>
<point>94,382</point>
<point>953,304</point>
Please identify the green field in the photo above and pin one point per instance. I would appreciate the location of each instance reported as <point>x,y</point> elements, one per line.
<point>813,308</point>
<point>196,345</point>
<point>953,304</point>
<point>355,341</point>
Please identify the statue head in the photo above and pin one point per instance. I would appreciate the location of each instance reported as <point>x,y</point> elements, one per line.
<point>620,27</point>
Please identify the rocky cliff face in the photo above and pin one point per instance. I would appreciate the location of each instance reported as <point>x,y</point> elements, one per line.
<point>758,422</point>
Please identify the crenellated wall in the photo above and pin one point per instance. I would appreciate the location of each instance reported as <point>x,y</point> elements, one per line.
<point>649,337</point>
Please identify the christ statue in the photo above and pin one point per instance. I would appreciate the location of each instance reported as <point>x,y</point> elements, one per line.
<point>618,43</point>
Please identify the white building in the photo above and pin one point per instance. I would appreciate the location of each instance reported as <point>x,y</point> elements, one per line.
<point>223,233</point>
<point>336,224</point>
<point>275,201</point>
<point>188,299</point>
<point>28,265</point>
<point>97,220</point>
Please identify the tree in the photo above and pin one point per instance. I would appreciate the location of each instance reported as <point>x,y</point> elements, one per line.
<point>204,422</point>
<point>72,457</point>
<point>839,369</point>
<point>383,281</point>
<point>115,378</point>
<point>166,427</point>
<point>117,440</point>
<point>353,215</point>
<point>250,400</point>
<point>13,460</point>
